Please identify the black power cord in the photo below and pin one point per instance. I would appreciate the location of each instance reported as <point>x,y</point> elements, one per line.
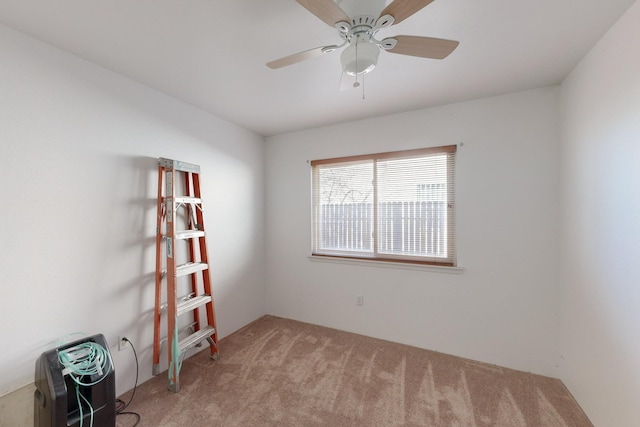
<point>120,404</point>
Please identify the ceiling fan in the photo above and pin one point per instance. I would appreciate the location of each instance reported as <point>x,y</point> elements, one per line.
<point>358,29</point>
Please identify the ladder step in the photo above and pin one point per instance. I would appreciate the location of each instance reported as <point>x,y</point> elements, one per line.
<point>189,234</point>
<point>187,200</point>
<point>182,330</point>
<point>193,339</point>
<point>164,305</point>
<point>192,303</point>
<point>188,303</point>
<point>163,340</point>
<point>190,268</point>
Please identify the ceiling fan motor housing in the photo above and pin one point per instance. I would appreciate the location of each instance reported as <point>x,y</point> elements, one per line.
<point>362,8</point>
<point>362,54</point>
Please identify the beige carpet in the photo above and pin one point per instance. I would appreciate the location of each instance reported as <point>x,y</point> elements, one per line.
<point>279,372</point>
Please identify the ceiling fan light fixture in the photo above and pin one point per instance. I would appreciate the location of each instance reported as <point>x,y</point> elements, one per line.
<point>359,58</point>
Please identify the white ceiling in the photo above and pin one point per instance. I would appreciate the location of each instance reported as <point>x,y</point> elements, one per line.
<point>212,53</point>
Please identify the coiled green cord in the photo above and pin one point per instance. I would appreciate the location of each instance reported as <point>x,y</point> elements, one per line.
<point>87,359</point>
<point>176,363</point>
<point>78,396</point>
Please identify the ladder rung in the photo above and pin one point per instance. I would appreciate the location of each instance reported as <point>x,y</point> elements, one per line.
<point>189,234</point>
<point>190,268</point>
<point>164,305</point>
<point>164,339</point>
<point>187,200</point>
<point>193,339</point>
<point>192,303</point>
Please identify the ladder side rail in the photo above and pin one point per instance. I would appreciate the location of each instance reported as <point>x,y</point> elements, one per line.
<point>206,275</point>
<point>172,294</point>
<point>192,249</point>
<point>157,315</point>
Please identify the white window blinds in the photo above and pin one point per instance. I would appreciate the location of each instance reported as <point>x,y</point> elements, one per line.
<point>395,206</point>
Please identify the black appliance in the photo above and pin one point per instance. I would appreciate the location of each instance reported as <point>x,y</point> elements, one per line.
<point>56,396</point>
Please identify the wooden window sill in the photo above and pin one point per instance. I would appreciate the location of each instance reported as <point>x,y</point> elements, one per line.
<point>386,264</point>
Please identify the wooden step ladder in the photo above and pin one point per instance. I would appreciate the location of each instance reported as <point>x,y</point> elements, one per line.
<point>183,296</point>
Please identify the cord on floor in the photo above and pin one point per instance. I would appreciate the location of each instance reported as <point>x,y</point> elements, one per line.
<point>120,404</point>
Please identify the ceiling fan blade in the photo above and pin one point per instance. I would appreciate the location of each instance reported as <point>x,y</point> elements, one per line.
<point>300,56</point>
<point>326,10</point>
<point>402,9</point>
<point>424,47</point>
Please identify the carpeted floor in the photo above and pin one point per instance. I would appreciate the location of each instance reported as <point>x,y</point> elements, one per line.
<point>279,372</point>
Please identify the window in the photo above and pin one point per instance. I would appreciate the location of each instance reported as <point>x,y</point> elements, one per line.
<point>395,206</point>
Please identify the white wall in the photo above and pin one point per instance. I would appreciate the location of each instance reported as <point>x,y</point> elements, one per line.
<point>600,343</point>
<point>78,177</point>
<point>503,308</point>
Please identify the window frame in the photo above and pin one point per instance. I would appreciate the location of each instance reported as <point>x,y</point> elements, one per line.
<point>449,261</point>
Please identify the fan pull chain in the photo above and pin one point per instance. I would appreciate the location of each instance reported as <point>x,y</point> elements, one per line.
<point>363,86</point>
<point>356,84</point>
<point>357,70</point>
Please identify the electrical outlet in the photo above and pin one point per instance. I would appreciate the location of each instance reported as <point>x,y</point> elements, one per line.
<point>359,300</point>
<point>122,343</point>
